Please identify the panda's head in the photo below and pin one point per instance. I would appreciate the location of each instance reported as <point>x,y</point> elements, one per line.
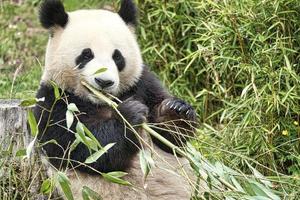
<point>98,46</point>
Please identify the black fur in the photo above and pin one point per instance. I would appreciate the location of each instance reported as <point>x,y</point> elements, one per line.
<point>128,12</point>
<point>119,59</point>
<point>141,111</point>
<point>86,56</point>
<point>52,12</point>
<point>140,103</point>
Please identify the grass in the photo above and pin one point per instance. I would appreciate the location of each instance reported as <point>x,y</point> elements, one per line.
<point>236,61</point>
<point>21,49</point>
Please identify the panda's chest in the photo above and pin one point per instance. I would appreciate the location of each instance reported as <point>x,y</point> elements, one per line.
<point>97,114</point>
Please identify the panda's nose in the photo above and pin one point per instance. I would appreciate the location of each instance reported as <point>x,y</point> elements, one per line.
<point>104,83</point>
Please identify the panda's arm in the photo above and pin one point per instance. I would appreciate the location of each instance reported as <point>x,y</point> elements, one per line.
<point>106,130</point>
<point>112,130</point>
<point>176,118</point>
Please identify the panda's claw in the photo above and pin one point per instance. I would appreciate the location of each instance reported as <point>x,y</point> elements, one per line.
<point>178,106</point>
<point>187,112</point>
<point>168,103</point>
<point>171,107</point>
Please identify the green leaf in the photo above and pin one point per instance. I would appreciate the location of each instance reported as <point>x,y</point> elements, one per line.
<point>88,193</point>
<point>79,128</point>
<point>236,184</point>
<point>32,123</point>
<point>101,70</point>
<point>72,107</point>
<point>49,142</point>
<point>80,133</point>
<point>47,186</point>
<point>146,162</point>
<point>256,198</point>
<point>259,176</point>
<point>21,153</point>
<point>64,183</point>
<point>28,102</point>
<point>91,144</point>
<point>261,190</point>
<point>56,90</point>
<point>114,179</point>
<point>94,157</point>
<point>118,174</point>
<point>84,194</point>
<point>69,118</point>
<point>74,144</point>
<point>30,147</point>
<point>90,135</point>
<point>288,63</point>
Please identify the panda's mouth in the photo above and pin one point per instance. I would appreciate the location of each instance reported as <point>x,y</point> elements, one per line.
<point>96,92</point>
<point>107,88</point>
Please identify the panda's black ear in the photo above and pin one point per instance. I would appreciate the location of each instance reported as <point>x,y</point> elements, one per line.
<point>128,12</point>
<point>52,12</point>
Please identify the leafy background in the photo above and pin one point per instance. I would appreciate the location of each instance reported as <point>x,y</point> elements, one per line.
<point>236,62</point>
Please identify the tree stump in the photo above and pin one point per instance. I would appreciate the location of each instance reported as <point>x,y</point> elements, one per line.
<point>13,125</point>
<point>19,177</point>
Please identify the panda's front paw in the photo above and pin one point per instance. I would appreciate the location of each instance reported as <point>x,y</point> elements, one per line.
<point>175,106</point>
<point>134,111</point>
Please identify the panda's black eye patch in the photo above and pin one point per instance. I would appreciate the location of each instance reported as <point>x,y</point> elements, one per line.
<point>119,59</point>
<point>86,56</point>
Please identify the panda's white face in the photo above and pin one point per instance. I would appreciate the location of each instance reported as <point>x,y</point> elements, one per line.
<point>90,41</point>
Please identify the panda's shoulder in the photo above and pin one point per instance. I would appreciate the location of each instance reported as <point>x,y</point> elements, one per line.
<point>47,95</point>
<point>149,80</point>
<point>149,88</point>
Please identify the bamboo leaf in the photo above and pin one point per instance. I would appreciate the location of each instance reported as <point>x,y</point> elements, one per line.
<point>72,107</point>
<point>32,123</point>
<point>74,144</point>
<point>56,90</point>
<point>88,194</point>
<point>90,135</point>
<point>118,174</point>
<point>69,118</point>
<point>101,70</point>
<point>21,153</point>
<point>111,178</point>
<point>64,183</point>
<point>28,102</point>
<point>94,157</point>
<point>259,176</point>
<point>30,147</point>
<point>80,133</point>
<point>146,162</point>
<point>47,186</point>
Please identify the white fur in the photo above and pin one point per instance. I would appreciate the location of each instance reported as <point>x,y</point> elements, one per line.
<point>102,31</point>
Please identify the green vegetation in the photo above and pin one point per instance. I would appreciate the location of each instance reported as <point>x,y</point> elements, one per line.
<point>236,61</point>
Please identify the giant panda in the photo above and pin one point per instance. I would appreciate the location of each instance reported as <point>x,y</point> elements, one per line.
<point>79,43</point>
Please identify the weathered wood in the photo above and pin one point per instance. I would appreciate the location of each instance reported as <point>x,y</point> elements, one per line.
<point>13,128</point>
<point>15,136</point>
